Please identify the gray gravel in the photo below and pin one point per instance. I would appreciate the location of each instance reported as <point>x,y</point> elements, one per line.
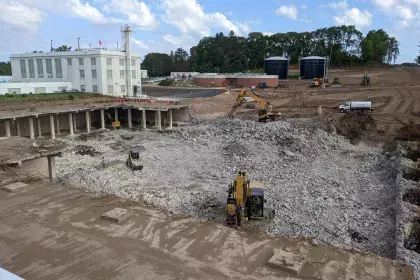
<point>319,184</point>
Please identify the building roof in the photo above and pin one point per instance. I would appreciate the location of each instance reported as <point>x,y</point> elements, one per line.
<point>277,58</point>
<point>93,52</point>
<point>314,57</point>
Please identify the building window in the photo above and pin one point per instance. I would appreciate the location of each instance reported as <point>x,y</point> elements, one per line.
<point>58,68</point>
<point>31,68</point>
<point>94,74</point>
<point>82,88</point>
<point>23,68</point>
<point>93,61</point>
<point>40,68</point>
<point>82,73</point>
<point>69,61</point>
<point>109,74</point>
<point>133,74</point>
<point>109,61</point>
<point>122,89</point>
<point>95,88</point>
<point>80,61</point>
<point>110,89</point>
<point>121,62</point>
<point>122,74</point>
<point>133,62</point>
<point>48,65</point>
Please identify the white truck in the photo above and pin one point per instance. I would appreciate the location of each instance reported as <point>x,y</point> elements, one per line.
<point>356,106</point>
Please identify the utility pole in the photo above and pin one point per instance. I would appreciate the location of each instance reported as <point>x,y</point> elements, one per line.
<point>78,43</point>
<point>117,46</point>
<point>51,46</point>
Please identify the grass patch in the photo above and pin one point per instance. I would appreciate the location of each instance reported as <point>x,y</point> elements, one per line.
<point>166,83</point>
<point>49,96</point>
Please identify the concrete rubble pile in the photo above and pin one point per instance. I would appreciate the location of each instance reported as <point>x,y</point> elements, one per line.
<point>319,184</point>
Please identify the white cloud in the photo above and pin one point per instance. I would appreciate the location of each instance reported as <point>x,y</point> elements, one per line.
<point>406,13</point>
<point>338,5</point>
<point>137,12</point>
<point>139,43</point>
<point>20,16</point>
<point>384,4</point>
<point>86,11</point>
<point>288,11</point>
<point>189,17</point>
<point>354,16</point>
<point>303,7</point>
<point>171,39</point>
<point>268,33</point>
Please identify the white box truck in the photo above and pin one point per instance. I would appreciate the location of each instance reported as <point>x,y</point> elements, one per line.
<point>356,106</point>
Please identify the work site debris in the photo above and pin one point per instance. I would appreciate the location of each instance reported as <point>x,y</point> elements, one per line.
<point>320,185</point>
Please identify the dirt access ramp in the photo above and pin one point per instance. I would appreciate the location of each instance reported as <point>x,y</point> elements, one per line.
<point>51,232</point>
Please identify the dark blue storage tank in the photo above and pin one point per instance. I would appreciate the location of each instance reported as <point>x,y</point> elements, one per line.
<point>277,65</point>
<point>313,67</point>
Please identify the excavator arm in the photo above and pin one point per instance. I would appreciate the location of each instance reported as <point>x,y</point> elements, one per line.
<point>241,97</point>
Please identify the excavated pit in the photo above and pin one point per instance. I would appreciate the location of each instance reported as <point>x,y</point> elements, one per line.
<point>412,196</point>
<point>412,240</point>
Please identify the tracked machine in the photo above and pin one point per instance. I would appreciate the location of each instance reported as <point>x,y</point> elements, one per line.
<point>265,112</point>
<point>134,161</point>
<point>365,80</point>
<point>246,201</point>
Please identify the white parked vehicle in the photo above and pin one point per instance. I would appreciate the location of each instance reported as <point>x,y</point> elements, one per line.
<point>356,106</point>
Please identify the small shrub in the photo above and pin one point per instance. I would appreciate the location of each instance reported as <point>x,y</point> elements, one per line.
<point>71,97</point>
<point>166,83</point>
<point>23,95</point>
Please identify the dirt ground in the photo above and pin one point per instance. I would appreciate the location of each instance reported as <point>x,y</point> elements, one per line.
<point>395,94</point>
<point>51,232</point>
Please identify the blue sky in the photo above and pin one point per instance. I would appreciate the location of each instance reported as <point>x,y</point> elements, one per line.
<point>164,25</point>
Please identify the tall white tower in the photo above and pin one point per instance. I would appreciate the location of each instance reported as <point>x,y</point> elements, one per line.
<point>126,47</point>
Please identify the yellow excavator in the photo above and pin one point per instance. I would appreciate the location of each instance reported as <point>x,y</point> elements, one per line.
<point>266,109</point>
<point>246,201</point>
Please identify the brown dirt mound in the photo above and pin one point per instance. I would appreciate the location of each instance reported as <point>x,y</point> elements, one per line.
<point>353,124</point>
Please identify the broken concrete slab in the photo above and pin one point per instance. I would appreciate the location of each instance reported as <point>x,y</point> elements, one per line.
<point>15,187</point>
<point>116,215</point>
<point>290,259</point>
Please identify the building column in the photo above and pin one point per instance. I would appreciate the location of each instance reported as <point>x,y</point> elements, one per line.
<point>17,128</point>
<point>7,127</point>
<point>170,118</point>
<point>87,121</point>
<point>52,128</point>
<point>159,117</point>
<point>143,118</point>
<point>31,129</point>
<point>102,119</point>
<point>58,124</point>
<point>130,122</point>
<point>71,124</point>
<point>156,119</point>
<point>75,122</point>
<point>116,114</point>
<point>38,120</point>
<point>52,172</point>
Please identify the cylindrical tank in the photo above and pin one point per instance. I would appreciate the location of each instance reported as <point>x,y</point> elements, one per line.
<point>277,65</point>
<point>313,67</point>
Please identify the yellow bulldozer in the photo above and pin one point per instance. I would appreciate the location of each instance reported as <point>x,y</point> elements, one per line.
<point>265,112</point>
<point>246,201</point>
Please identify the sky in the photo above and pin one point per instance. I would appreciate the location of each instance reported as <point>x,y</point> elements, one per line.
<point>164,25</point>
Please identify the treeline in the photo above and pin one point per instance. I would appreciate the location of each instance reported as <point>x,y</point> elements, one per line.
<point>344,45</point>
<point>5,69</point>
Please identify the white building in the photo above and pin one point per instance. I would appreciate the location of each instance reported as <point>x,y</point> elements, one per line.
<point>37,87</point>
<point>96,70</point>
<point>179,75</point>
<point>144,74</point>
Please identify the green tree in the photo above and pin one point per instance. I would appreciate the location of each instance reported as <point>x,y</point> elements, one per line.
<point>375,46</point>
<point>5,69</point>
<point>157,64</point>
<point>417,60</point>
<point>180,60</point>
<point>62,48</point>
